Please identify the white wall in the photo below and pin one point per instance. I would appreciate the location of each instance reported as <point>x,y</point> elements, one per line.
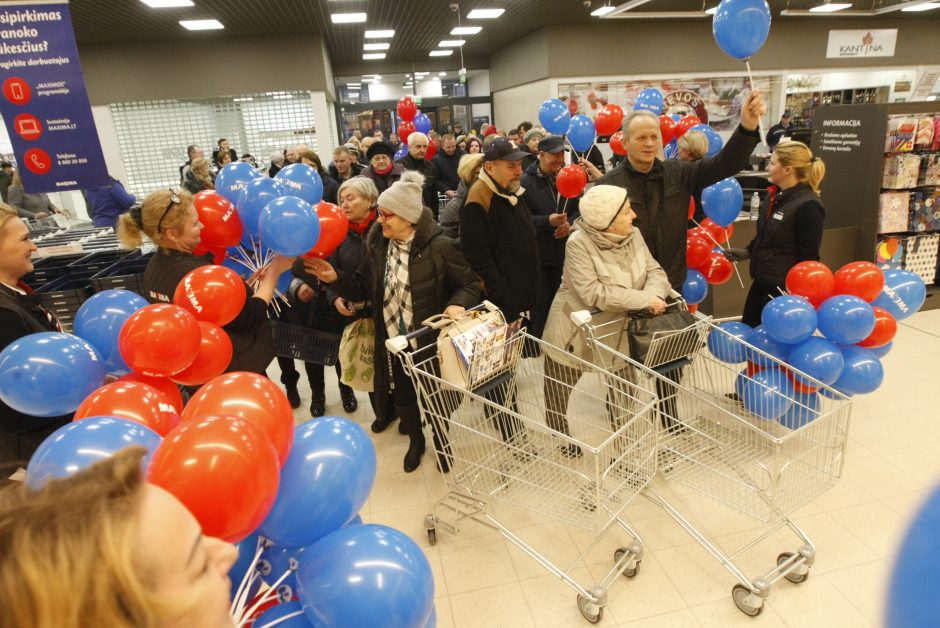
<point>478,83</point>
<point>516,104</point>
<point>324,123</point>
<point>107,135</point>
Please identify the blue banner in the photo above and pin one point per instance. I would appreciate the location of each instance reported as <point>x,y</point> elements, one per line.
<point>44,102</point>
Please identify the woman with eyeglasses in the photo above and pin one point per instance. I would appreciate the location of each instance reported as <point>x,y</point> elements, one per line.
<point>414,272</point>
<point>21,314</point>
<point>169,219</point>
<point>382,170</point>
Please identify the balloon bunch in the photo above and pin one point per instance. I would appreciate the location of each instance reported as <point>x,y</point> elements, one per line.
<point>828,333</point>
<point>412,120</point>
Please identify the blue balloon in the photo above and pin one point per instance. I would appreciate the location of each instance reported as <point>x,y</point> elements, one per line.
<point>99,321</point>
<point>276,561</point>
<point>289,225</point>
<point>80,444</point>
<point>671,149</point>
<point>650,99</point>
<point>741,27</point>
<point>283,282</point>
<point>401,152</point>
<point>49,374</point>
<point>912,599</point>
<point>760,339</point>
<point>789,319</point>
<point>355,521</point>
<point>768,393</point>
<point>722,202</point>
<point>882,351</point>
<point>714,140</point>
<point>432,620</point>
<point>862,374</point>
<point>805,408</point>
<point>903,294</point>
<point>252,199</point>
<point>818,358</point>
<point>293,610</point>
<point>554,116</point>
<point>726,342</point>
<point>581,133</point>
<point>695,287</point>
<point>845,319</point>
<point>368,575</point>
<point>302,181</point>
<point>422,123</point>
<point>324,481</point>
<point>232,179</point>
<point>246,561</point>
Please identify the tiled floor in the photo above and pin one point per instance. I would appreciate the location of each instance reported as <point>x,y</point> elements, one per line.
<point>482,580</point>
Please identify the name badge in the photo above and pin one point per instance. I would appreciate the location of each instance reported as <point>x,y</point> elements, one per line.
<point>778,216</point>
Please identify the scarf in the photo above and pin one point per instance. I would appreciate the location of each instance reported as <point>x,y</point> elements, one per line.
<point>397,304</point>
<point>633,264</point>
<point>498,190</point>
<point>361,227</point>
<point>382,173</point>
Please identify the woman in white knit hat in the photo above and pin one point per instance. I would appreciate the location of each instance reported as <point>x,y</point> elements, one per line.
<point>414,272</point>
<point>608,267</point>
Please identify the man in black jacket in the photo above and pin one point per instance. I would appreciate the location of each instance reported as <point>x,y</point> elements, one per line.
<point>344,165</point>
<point>445,166</point>
<point>659,190</point>
<point>414,160</point>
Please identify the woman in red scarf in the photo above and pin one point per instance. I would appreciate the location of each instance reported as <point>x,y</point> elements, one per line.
<point>382,170</point>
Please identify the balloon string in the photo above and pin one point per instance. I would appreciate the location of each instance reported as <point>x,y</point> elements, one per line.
<point>250,576</point>
<point>281,620</point>
<point>270,593</point>
<point>760,120</point>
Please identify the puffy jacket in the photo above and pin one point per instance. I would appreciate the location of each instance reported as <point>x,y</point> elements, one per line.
<point>543,199</point>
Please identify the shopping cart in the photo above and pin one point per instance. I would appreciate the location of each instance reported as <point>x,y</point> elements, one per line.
<point>711,443</point>
<point>502,454</point>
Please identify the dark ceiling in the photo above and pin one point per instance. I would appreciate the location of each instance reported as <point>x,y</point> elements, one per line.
<point>419,24</point>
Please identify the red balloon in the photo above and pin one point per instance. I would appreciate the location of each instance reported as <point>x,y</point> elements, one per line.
<point>812,280</point>
<point>861,279</point>
<point>753,368</point>
<point>608,119</point>
<point>221,226</point>
<point>432,150</point>
<point>163,385</point>
<point>405,129</point>
<point>134,401</point>
<point>407,110</point>
<point>667,127</point>
<point>685,124</point>
<point>717,269</point>
<point>214,294</point>
<point>571,181</point>
<point>334,225</point>
<point>223,469</point>
<point>159,340</point>
<point>573,106</point>
<point>697,252</point>
<point>215,354</point>
<point>885,329</point>
<point>698,232</point>
<point>691,207</point>
<point>616,143</point>
<point>218,252</point>
<point>799,386</point>
<point>248,396</point>
<point>719,234</point>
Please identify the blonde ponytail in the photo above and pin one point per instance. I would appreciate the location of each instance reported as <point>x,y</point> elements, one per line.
<point>165,209</point>
<point>129,231</point>
<point>797,155</point>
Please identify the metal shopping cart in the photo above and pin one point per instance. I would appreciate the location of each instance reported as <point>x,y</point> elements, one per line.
<point>711,443</point>
<point>492,432</point>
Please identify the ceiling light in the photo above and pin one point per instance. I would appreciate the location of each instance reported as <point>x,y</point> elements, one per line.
<point>604,10</point>
<point>353,85</point>
<point>379,34</point>
<point>375,46</point>
<point>927,6</point>
<point>442,73</point>
<point>711,11</point>
<point>373,55</point>
<point>164,4</point>
<point>466,30</point>
<point>440,53</point>
<point>485,14</point>
<point>347,18</point>
<point>201,25</point>
<point>451,43</point>
<point>831,7</point>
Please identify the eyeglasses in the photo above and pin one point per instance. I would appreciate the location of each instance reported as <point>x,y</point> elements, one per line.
<point>174,200</point>
<point>386,215</point>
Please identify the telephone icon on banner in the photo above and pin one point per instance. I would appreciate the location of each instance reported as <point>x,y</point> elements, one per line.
<point>37,161</point>
<point>27,126</point>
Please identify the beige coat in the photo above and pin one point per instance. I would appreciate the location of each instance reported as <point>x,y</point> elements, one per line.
<point>601,273</point>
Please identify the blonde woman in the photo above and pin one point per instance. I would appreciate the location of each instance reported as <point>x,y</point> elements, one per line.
<point>104,548</point>
<point>693,146</point>
<point>198,177</point>
<point>789,228</point>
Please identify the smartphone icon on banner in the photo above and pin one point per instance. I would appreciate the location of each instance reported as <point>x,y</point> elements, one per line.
<point>17,90</point>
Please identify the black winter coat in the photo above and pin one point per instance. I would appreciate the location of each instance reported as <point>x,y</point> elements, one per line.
<point>660,197</point>
<point>429,191</point>
<point>252,337</point>
<point>330,188</point>
<point>543,199</point>
<point>439,277</point>
<point>445,170</point>
<point>355,166</point>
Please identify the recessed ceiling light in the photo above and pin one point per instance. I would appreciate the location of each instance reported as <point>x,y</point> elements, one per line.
<point>375,46</point>
<point>347,18</point>
<point>440,53</point>
<point>711,11</point>
<point>201,25</point>
<point>442,73</point>
<point>604,10</point>
<point>379,34</point>
<point>927,6</point>
<point>485,14</point>
<point>353,85</point>
<point>466,30</point>
<point>165,4</point>
<point>831,7</point>
<point>451,43</point>
<point>373,55</point>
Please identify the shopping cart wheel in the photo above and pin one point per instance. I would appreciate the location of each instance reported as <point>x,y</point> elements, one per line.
<point>591,611</point>
<point>742,597</point>
<point>627,573</point>
<point>794,576</point>
<point>432,536</point>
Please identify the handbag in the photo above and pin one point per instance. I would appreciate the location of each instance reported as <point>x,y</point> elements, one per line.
<point>676,334</point>
<point>475,347</point>
<point>357,354</point>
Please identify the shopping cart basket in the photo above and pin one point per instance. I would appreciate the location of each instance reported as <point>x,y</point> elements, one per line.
<point>501,452</point>
<point>711,443</point>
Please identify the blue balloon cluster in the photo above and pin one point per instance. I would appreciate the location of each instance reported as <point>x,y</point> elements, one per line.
<point>727,342</point>
<point>723,201</point>
<point>252,200</point>
<point>767,393</point>
<point>99,321</point>
<point>715,142</point>
<point>903,294</point>
<point>301,181</point>
<point>650,99</point>
<point>741,27</point>
<point>846,319</point>
<point>422,123</point>
<point>581,133</point>
<point>232,179</point>
<point>289,225</point>
<point>554,116</point>
<point>789,319</point>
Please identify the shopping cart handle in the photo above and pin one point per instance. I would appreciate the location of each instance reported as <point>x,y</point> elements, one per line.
<point>583,317</point>
<point>399,343</point>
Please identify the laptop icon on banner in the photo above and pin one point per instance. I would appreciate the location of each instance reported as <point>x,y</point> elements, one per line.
<point>28,126</point>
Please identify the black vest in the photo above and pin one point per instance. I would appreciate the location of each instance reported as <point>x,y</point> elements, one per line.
<point>775,246</point>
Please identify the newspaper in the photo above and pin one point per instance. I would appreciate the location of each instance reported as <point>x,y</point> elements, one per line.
<point>484,350</point>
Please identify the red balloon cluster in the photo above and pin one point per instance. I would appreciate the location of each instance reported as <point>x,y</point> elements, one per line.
<point>700,253</point>
<point>685,124</point>
<point>334,224</point>
<point>608,119</point>
<point>432,150</point>
<point>221,226</point>
<point>212,358</point>
<point>159,340</point>
<point>133,401</point>
<point>571,181</point>
<point>616,144</point>
<point>407,110</point>
<point>170,390</point>
<point>214,294</point>
<point>667,127</point>
<point>405,129</point>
